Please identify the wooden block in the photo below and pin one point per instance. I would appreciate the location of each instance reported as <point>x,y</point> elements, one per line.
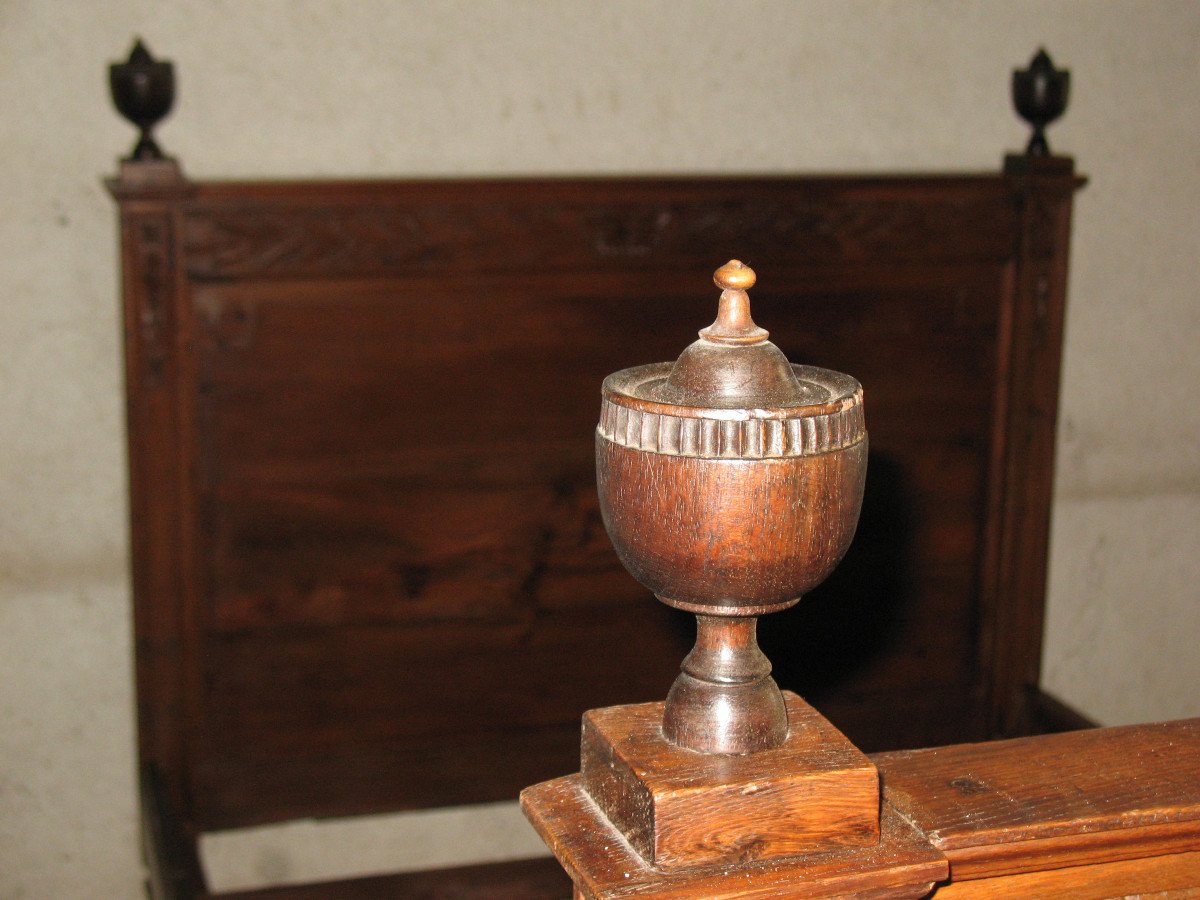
<point>604,867</point>
<point>680,809</point>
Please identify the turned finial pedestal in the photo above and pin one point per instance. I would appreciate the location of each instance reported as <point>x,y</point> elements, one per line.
<point>730,482</point>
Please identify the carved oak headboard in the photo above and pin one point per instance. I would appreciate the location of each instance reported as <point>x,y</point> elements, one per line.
<point>369,571</point>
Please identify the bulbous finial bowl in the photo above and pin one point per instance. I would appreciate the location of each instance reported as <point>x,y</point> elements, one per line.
<point>730,512</point>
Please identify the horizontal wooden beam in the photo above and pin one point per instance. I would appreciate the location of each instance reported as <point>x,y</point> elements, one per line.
<point>1046,803</point>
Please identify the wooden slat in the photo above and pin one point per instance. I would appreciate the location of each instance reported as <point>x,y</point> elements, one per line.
<point>519,880</point>
<point>1032,804</point>
<point>1173,877</point>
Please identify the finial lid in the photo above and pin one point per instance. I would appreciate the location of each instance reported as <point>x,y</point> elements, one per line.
<point>733,365</point>
<point>733,324</point>
<point>732,393</point>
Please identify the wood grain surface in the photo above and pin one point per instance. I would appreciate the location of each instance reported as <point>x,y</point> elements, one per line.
<point>1078,798</point>
<point>1109,812</point>
<point>1172,877</point>
<point>680,809</point>
<point>604,867</point>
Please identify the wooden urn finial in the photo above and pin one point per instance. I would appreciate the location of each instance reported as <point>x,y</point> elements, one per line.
<point>730,482</point>
<point>1040,93</point>
<point>143,90</point>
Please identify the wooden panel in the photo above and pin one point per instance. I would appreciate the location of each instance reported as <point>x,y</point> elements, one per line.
<point>354,229</point>
<point>401,542</point>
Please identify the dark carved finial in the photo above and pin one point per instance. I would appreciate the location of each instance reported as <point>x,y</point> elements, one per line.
<point>143,90</point>
<point>1040,95</point>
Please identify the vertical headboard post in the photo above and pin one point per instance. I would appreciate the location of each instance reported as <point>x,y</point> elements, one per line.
<point>1043,188</point>
<point>150,196</point>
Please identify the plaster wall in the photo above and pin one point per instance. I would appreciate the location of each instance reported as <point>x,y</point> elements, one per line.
<point>365,87</point>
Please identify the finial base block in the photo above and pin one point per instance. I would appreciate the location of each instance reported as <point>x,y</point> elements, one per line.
<point>604,867</point>
<point>147,177</point>
<point>680,809</point>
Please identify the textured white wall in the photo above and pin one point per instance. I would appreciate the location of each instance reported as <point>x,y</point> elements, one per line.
<point>288,87</point>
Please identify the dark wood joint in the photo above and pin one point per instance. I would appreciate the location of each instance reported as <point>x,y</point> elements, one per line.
<point>170,850</point>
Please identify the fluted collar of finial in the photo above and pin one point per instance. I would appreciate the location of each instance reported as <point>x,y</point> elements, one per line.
<point>732,393</point>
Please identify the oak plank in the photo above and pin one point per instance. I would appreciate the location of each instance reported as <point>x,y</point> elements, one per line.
<point>1081,797</point>
<point>1175,876</point>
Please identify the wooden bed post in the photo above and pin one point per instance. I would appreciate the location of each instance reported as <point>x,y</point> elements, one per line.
<point>151,194</point>
<point>151,190</point>
<point>1044,187</point>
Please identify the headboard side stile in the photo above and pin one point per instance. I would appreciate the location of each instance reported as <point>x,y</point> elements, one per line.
<point>151,195</point>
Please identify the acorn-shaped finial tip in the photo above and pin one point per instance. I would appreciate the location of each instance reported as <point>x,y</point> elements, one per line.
<point>735,275</point>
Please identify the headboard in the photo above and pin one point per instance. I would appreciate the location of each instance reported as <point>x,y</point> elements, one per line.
<point>369,571</point>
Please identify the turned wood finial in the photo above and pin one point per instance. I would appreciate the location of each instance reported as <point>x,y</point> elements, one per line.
<point>143,90</point>
<point>735,275</point>
<point>734,324</point>
<point>1040,94</point>
<point>730,483</point>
